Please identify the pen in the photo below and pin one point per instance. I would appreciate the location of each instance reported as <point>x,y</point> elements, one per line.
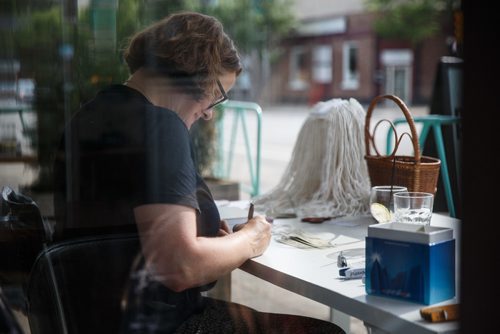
<point>250,216</point>
<point>250,211</point>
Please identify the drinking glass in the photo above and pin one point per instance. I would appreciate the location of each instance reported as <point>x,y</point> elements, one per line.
<point>382,202</point>
<point>413,207</point>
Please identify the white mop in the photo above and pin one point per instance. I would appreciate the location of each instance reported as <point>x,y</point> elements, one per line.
<point>327,175</point>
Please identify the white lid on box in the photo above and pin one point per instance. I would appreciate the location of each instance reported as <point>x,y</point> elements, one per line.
<point>410,233</point>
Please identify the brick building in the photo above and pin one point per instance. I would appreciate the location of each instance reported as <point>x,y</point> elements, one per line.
<point>335,52</point>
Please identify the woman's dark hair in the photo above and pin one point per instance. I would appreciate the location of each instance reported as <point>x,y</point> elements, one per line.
<point>190,48</point>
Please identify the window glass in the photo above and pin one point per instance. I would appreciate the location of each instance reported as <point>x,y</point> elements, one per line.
<point>56,55</point>
<point>298,69</point>
<point>350,67</point>
<point>322,64</point>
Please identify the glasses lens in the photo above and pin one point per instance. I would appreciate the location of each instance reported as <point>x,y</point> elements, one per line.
<point>220,99</point>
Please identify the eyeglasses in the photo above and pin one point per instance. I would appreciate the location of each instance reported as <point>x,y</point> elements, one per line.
<point>221,99</point>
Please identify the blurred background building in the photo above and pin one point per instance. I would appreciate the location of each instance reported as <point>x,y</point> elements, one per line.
<point>343,48</point>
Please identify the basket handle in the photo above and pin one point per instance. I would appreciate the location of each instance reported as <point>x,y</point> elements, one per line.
<point>409,119</point>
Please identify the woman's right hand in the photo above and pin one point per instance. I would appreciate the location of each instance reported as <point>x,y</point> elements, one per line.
<point>167,230</point>
<point>258,231</point>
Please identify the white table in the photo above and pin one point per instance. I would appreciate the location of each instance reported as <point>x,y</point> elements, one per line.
<point>313,273</point>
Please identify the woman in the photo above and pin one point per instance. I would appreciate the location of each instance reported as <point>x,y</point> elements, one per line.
<point>135,167</point>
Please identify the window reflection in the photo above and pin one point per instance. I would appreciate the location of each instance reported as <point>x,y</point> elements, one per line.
<point>56,54</point>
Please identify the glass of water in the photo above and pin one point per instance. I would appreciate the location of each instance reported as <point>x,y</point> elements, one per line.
<point>413,207</point>
<point>382,202</point>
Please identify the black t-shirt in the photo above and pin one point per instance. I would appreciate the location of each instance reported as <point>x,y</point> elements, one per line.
<point>118,152</point>
<point>124,152</point>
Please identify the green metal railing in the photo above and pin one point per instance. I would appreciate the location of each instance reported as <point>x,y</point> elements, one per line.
<point>223,166</point>
<point>434,122</point>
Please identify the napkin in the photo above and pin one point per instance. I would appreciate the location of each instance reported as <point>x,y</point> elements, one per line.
<point>300,239</point>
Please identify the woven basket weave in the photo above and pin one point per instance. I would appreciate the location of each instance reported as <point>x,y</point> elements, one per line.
<point>417,173</point>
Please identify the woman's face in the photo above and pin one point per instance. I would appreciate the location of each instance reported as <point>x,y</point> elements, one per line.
<point>201,109</point>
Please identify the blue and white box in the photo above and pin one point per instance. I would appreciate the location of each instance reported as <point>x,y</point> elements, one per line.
<point>410,262</point>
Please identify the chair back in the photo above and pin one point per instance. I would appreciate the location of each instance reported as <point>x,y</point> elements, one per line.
<point>76,286</point>
<point>8,322</point>
<point>23,233</point>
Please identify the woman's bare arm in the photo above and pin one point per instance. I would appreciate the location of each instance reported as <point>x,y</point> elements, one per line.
<point>181,259</point>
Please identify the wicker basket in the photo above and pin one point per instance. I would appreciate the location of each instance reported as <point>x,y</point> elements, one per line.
<point>417,173</point>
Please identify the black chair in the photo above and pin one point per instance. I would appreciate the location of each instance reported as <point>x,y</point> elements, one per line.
<point>76,286</point>
<point>8,322</point>
<point>23,234</point>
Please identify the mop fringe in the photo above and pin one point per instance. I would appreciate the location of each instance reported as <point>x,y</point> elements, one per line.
<point>327,174</point>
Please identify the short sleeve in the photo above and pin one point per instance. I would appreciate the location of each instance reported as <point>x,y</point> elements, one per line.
<point>170,174</point>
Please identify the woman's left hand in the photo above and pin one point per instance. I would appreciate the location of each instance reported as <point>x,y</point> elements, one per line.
<point>223,228</point>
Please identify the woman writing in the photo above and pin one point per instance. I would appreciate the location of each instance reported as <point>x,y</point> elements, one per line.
<point>135,167</point>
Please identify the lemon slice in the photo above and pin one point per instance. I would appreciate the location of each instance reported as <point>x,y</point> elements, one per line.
<point>380,213</point>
